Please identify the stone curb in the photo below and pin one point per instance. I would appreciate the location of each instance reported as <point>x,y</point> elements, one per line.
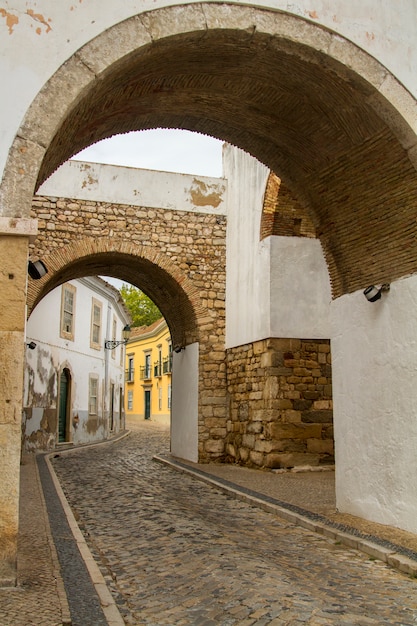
<point>108,605</point>
<point>394,559</point>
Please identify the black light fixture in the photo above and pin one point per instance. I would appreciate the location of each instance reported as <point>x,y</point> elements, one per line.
<point>37,269</point>
<point>372,293</point>
<point>109,344</point>
<point>31,345</point>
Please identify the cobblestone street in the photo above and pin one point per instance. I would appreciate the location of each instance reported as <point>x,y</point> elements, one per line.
<point>176,551</point>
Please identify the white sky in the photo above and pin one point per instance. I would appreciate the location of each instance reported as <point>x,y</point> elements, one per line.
<point>164,149</point>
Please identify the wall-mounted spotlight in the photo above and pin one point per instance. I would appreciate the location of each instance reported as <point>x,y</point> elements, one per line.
<point>109,344</point>
<point>37,269</point>
<point>178,349</point>
<point>31,345</point>
<point>372,293</point>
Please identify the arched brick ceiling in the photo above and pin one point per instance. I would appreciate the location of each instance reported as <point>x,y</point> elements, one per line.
<point>153,280</point>
<point>294,112</point>
<point>299,112</point>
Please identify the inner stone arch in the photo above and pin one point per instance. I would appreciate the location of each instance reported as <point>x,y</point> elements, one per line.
<point>175,296</point>
<point>272,84</point>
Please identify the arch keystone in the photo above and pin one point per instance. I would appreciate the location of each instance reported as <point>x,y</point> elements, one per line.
<point>171,21</point>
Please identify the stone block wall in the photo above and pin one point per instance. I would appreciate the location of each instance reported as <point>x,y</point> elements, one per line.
<point>192,246</point>
<point>280,403</point>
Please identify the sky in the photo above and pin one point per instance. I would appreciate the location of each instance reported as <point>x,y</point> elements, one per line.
<point>165,150</point>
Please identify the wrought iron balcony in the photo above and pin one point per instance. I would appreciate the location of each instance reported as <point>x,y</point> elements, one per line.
<point>130,375</point>
<point>167,365</point>
<point>145,372</point>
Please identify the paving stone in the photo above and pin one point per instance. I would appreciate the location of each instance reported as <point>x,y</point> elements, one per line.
<point>37,598</point>
<point>178,551</point>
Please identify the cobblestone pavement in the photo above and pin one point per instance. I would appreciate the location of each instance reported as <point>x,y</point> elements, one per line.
<point>176,551</point>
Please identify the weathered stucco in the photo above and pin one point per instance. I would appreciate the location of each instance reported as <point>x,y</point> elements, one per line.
<point>78,358</point>
<point>137,188</point>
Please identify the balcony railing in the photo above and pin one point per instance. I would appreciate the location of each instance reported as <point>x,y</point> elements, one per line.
<point>130,375</point>
<point>157,369</point>
<point>145,372</point>
<point>167,365</point>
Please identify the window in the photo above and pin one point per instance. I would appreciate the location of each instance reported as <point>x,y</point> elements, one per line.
<point>67,311</point>
<point>93,396</point>
<point>157,370</point>
<point>167,363</point>
<point>130,369</point>
<point>160,398</point>
<point>146,370</point>
<point>95,331</point>
<point>130,400</point>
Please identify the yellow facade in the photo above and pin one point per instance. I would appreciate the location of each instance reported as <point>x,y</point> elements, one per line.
<point>148,373</point>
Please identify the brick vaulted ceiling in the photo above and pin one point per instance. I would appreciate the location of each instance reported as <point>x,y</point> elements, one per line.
<point>301,113</point>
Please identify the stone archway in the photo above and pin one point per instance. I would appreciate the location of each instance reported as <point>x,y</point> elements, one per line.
<point>175,295</point>
<point>333,123</point>
<point>199,370</point>
<point>313,107</point>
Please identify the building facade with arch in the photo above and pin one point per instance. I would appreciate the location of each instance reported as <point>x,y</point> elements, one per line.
<point>324,96</point>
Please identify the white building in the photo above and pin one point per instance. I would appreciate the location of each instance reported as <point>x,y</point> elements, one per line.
<point>73,387</point>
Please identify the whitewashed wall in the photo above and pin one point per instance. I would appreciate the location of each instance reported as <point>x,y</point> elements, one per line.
<point>53,352</point>
<point>247,258</point>
<point>277,287</point>
<point>300,289</point>
<point>184,408</point>
<point>374,349</point>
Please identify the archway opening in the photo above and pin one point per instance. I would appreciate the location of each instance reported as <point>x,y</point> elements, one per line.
<point>157,283</point>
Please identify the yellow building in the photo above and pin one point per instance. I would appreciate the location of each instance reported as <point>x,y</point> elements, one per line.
<point>148,373</point>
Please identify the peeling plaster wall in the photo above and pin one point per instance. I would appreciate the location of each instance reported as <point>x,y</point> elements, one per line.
<point>136,187</point>
<point>52,354</point>
<point>38,40</point>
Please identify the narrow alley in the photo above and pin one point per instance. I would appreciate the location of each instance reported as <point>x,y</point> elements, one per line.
<point>176,551</point>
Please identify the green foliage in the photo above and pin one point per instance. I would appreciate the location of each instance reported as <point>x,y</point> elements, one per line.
<point>143,311</point>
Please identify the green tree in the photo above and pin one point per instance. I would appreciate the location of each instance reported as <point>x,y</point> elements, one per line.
<point>143,311</point>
